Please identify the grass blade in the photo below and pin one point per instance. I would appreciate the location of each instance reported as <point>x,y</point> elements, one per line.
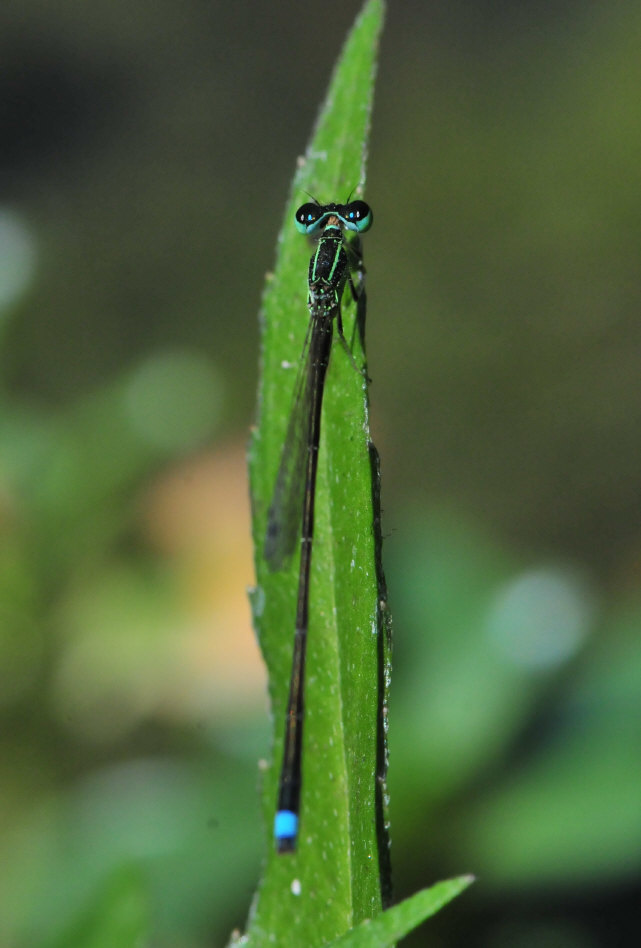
<point>334,879</point>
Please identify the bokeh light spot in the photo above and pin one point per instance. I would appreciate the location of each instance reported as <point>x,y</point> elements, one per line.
<point>541,618</point>
<point>17,257</point>
<point>174,399</point>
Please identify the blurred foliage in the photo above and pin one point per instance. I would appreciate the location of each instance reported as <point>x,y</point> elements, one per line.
<point>146,153</point>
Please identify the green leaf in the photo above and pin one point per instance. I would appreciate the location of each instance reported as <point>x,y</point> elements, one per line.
<point>333,881</point>
<point>397,922</point>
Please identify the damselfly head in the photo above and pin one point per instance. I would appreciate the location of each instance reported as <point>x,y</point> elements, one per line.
<point>356,216</point>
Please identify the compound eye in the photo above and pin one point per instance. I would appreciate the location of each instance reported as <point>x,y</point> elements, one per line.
<point>358,216</point>
<point>307,217</point>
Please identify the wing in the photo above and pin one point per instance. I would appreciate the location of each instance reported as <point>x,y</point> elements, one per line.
<point>284,515</point>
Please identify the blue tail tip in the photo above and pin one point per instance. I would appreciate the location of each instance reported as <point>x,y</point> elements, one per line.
<point>285,830</point>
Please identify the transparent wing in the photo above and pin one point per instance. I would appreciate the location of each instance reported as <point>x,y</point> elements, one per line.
<point>284,515</point>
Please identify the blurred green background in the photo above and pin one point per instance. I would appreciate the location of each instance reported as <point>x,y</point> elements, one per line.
<point>146,152</point>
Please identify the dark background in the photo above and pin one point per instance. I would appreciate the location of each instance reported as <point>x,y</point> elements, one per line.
<point>146,152</point>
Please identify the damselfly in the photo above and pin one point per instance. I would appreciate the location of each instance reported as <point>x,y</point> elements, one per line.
<point>291,513</point>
